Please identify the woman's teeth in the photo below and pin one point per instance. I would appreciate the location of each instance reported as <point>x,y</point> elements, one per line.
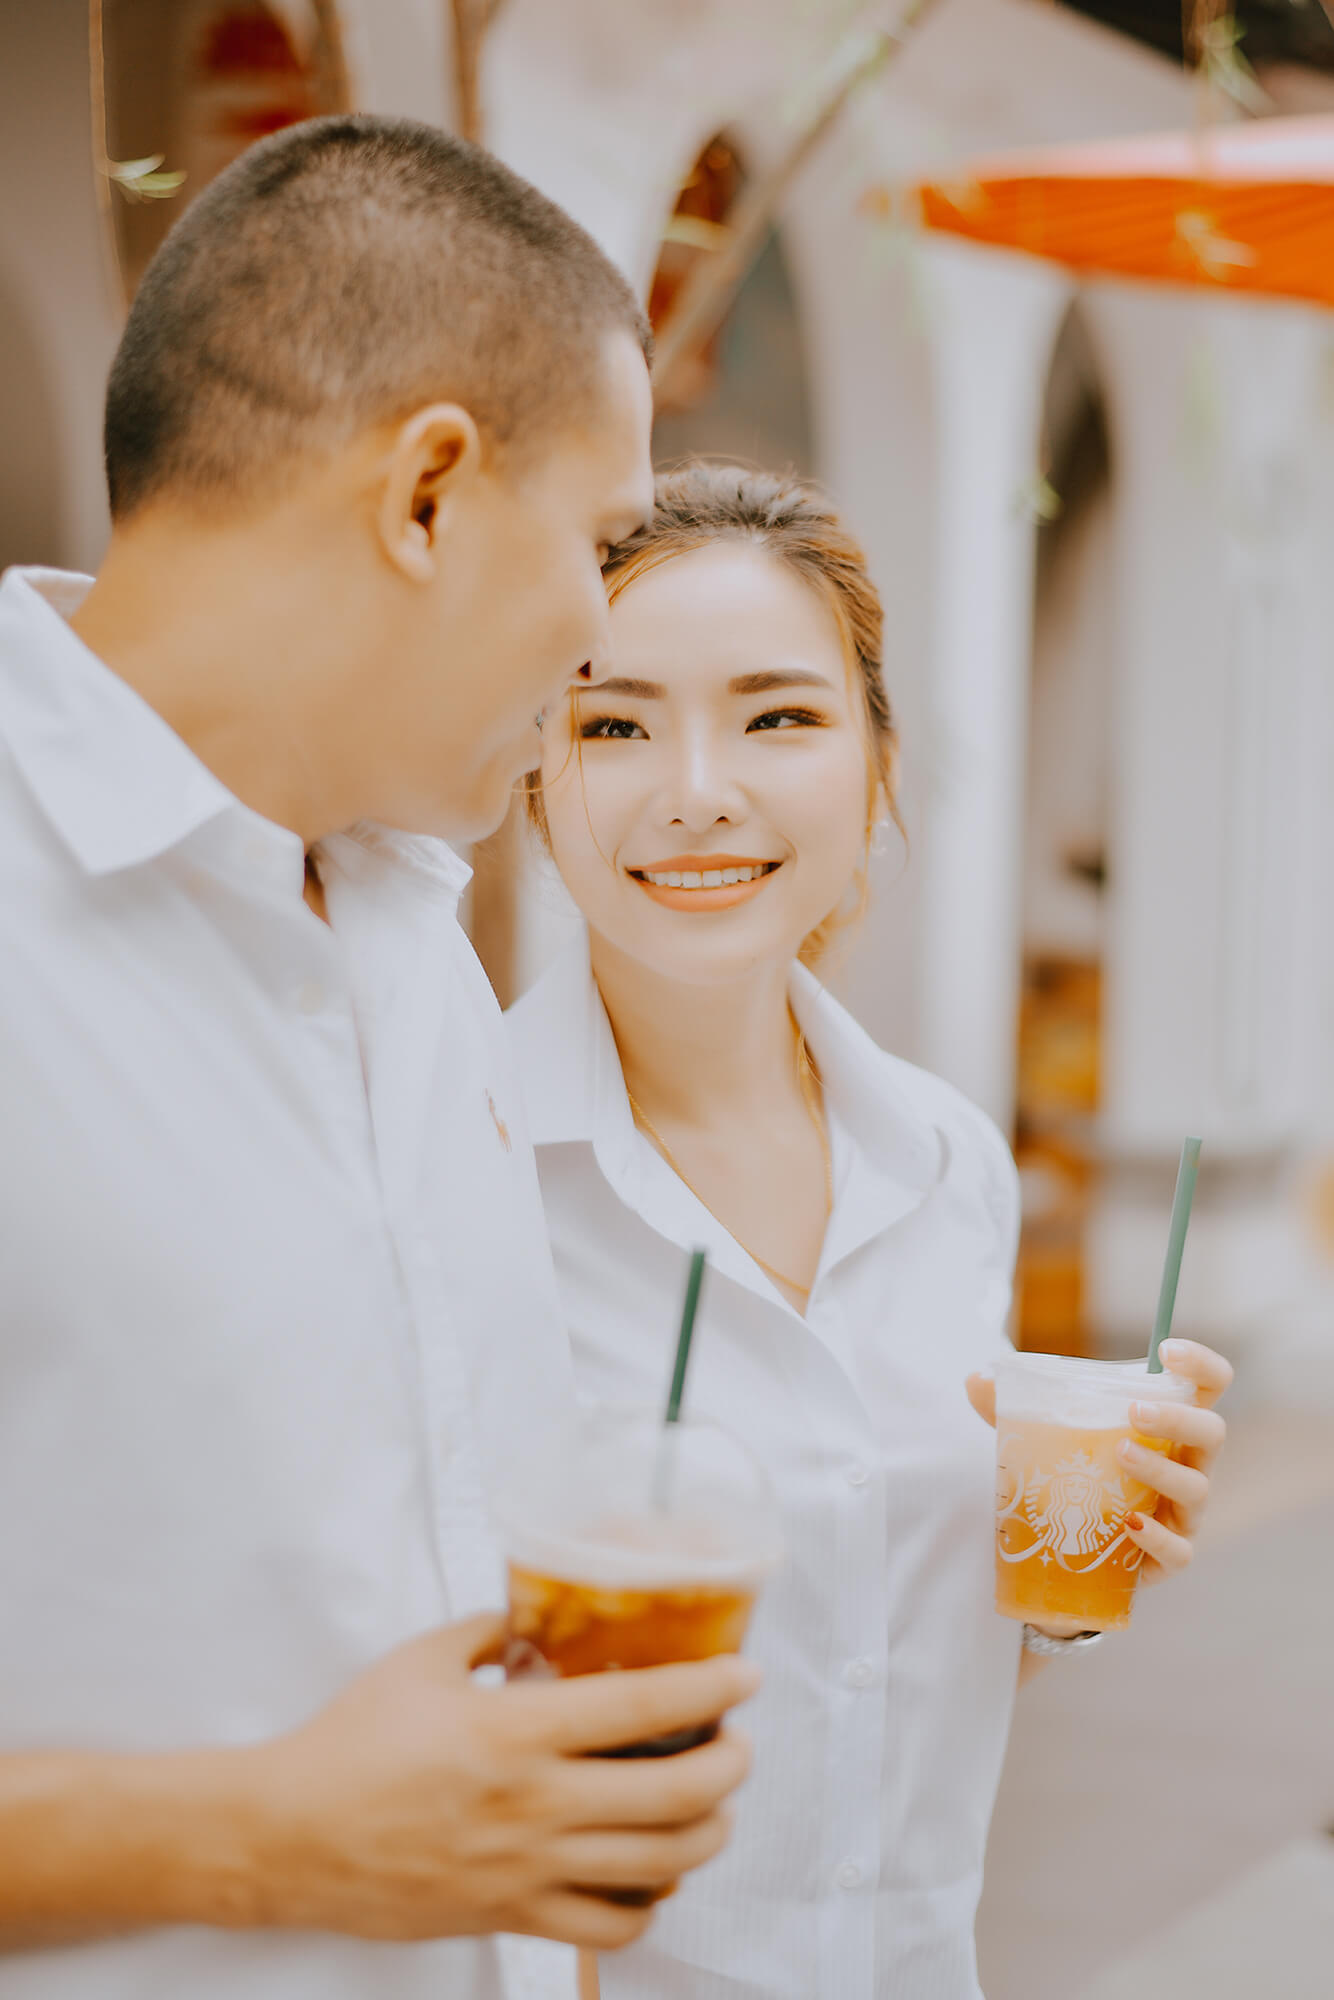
<point>707,878</point>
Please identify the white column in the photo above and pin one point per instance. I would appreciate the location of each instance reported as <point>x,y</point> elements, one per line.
<point>1217,893</point>
<point>868,359</point>
<point>994,320</point>
<point>1213,410</point>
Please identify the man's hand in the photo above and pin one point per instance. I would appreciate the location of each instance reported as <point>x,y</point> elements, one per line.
<point>418,1804</point>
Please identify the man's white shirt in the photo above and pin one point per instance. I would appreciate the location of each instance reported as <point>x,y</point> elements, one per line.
<point>274,1289</point>
<point>879,1731</point>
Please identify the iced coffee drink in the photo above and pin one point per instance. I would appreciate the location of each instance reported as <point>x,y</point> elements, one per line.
<point>634,1546</point>
<point>1064,1558</point>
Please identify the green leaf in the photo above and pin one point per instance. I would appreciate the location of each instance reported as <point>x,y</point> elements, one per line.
<point>133,170</point>
<point>1037,500</point>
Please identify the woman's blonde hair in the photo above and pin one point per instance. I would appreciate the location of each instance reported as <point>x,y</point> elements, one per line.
<point>699,503</point>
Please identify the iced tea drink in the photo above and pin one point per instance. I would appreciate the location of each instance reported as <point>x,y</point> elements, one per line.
<point>1064,1558</point>
<point>630,1546</point>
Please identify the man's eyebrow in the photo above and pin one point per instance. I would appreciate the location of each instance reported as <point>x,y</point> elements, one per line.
<point>637,690</point>
<point>777,677</point>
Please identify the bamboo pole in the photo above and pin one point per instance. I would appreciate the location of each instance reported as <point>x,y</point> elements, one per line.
<point>332,80</point>
<point>471,20</point>
<point>497,859</point>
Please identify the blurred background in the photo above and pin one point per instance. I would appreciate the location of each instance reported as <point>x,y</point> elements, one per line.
<point>1045,293</point>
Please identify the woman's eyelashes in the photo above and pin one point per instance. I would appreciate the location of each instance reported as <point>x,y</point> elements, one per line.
<point>609,728</point>
<point>786,718</point>
<point>623,729</point>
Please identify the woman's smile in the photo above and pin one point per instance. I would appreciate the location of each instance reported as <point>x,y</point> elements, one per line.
<point>704,881</point>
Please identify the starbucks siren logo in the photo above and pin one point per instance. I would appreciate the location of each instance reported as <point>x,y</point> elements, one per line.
<point>1073,1516</point>
<point>1082,1508</point>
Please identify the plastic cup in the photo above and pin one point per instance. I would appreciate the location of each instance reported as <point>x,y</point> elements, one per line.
<point>1064,1558</point>
<point>634,1544</point>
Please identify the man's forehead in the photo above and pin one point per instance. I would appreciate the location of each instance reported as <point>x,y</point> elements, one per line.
<point>624,403</point>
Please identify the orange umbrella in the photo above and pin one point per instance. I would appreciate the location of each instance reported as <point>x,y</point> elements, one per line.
<point>1246,208</point>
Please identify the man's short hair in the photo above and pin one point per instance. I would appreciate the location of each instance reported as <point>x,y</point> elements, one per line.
<point>339,275</point>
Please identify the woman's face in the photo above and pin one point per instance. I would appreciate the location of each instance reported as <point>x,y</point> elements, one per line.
<point>707,802</point>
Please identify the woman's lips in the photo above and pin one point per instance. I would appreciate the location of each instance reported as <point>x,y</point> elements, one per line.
<point>704,881</point>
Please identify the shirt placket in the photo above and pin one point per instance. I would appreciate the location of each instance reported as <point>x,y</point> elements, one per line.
<point>850,1847</point>
<point>400,1115</point>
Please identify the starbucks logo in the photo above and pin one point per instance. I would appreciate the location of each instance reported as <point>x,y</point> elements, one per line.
<point>1079,1511</point>
<point>1073,1516</point>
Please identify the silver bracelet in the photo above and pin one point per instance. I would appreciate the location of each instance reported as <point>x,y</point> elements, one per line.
<point>1047,1648</point>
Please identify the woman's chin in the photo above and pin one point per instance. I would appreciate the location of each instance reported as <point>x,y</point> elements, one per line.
<point>698,950</point>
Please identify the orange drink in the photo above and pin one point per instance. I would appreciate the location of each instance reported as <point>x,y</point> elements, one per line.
<point>631,1545</point>
<point>581,1628</point>
<point>1064,1559</point>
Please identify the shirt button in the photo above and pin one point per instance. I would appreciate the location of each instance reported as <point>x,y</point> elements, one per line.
<point>856,1473</point>
<point>858,1674</point>
<point>310,997</point>
<point>849,1875</point>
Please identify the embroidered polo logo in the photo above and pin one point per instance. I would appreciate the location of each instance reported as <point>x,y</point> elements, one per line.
<point>501,1127</point>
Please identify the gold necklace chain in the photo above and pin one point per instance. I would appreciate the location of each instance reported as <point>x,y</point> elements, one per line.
<point>806,1081</point>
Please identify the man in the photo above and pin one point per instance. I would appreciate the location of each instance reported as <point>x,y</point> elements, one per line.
<point>276,1301</point>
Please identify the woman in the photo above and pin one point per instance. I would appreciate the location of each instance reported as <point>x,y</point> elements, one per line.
<point>711,804</point>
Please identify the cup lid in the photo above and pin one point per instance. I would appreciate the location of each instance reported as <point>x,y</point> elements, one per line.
<point>618,1499</point>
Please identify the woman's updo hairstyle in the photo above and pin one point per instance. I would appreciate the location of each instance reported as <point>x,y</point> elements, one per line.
<point>699,503</point>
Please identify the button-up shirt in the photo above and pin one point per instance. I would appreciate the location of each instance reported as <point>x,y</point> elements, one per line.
<point>889,1679</point>
<point>274,1289</point>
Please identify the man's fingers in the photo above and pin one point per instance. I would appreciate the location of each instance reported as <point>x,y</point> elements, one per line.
<point>450,1652</point>
<point>473,1642</point>
<point>629,1859</point>
<point>607,1711</point>
<point>575,1917</point>
<point>1210,1373</point>
<point>982,1395</point>
<point>597,1792</point>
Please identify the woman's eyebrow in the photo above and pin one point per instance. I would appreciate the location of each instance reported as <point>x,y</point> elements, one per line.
<point>637,690</point>
<point>777,677</point>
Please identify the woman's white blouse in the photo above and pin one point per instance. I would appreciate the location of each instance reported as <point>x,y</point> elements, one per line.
<point>879,1731</point>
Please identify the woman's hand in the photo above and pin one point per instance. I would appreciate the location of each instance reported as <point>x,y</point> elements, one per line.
<point>1196,1433</point>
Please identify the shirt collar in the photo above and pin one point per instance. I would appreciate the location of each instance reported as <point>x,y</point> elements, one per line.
<point>573,1087</point>
<point>117,784</point>
<point>364,848</point>
<point>574,1091</point>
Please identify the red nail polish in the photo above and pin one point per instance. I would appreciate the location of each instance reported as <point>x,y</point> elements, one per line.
<point>1134,1522</point>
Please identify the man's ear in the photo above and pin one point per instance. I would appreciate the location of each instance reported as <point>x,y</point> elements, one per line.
<point>433,457</point>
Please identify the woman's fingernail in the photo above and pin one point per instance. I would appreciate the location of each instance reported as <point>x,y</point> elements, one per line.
<point>1171,1350</point>
<point>1128,1449</point>
<point>1134,1522</point>
<point>1145,1413</point>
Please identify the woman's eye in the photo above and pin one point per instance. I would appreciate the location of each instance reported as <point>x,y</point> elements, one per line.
<point>609,729</point>
<point>786,718</point>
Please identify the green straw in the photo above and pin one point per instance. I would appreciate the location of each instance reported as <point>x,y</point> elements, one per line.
<point>698,1260</point>
<point>662,1466</point>
<point>1176,1243</point>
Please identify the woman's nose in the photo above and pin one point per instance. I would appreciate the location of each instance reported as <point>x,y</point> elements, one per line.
<point>703,786</point>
